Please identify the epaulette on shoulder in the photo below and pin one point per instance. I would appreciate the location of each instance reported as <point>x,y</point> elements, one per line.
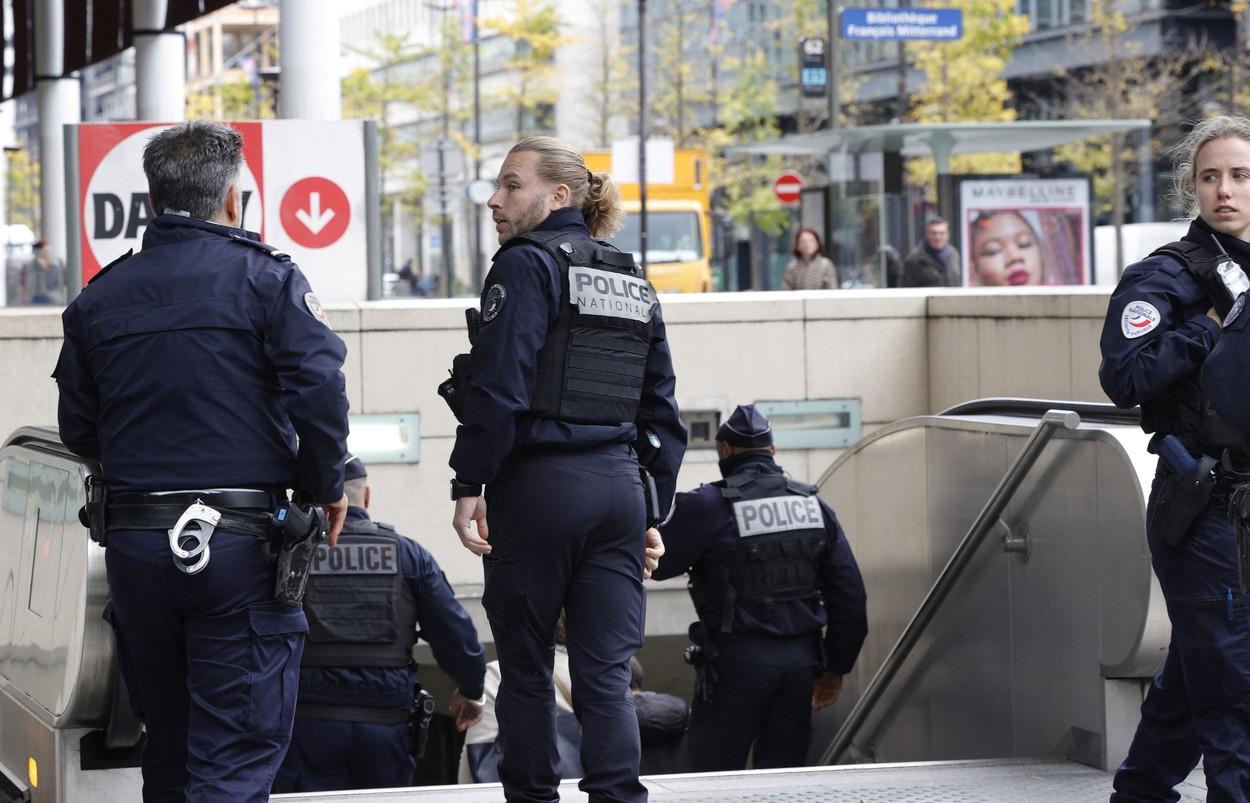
<point>1182,255</point>
<point>281,256</point>
<point>384,526</point>
<point>110,265</point>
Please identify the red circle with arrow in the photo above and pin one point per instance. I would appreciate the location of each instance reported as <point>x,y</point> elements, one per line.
<point>315,212</point>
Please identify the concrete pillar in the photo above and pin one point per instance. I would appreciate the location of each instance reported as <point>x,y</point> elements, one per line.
<point>59,99</point>
<point>308,44</point>
<point>160,63</point>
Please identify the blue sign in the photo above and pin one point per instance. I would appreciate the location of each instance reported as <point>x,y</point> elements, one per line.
<point>895,24</point>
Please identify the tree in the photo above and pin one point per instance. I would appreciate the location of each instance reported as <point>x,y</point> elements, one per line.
<point>963,82</point>
<point>535,33</point>
<point>678,93</point>
<point>1126,85</point>
<point>23,189</point>
<point>614,90</point>
<point>237,100</point>
<point>375,91</point>
<point>748,114</point>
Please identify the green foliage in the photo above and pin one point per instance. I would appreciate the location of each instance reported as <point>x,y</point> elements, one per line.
<point>614,90</point>
<point>372,93</point>
<point>534,29</point>
<point>679,90</point>
<point>23,189</point>
<point>748,113</point>
<point>233,101</point>
<point>963,82</point>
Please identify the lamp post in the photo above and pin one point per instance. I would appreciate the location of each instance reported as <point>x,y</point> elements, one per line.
<point>642,133</point>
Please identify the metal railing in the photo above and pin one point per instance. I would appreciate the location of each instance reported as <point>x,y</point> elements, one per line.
<point>985,522</point>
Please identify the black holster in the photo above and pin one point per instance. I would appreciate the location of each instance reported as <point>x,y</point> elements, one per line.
<point>455,389</point>
<point>1239,513</point>
<point>92,515</point>
<point>703,654</point>
<point>651,498</point>
<point>301,529</point>
<point>1185,491</point>
<point>422,714</point>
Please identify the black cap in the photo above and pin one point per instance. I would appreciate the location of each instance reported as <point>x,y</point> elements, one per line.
<point>353,468</point>
<point>746,428</point>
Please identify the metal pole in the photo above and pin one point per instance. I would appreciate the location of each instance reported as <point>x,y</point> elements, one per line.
<point>59,98</point>
<point>160,64</point>
<point>986,520</point>
<point>477,152</point>
<point>642,133</point>
<point>308,54</point>
<point>835,101</point>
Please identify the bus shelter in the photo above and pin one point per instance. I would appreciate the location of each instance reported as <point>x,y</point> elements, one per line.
<point>864,206</point>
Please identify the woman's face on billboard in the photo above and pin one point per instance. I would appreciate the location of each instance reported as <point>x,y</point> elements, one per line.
<point>1005,251</point>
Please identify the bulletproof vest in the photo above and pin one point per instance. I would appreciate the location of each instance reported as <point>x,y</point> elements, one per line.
<point>360,611</point>
<point>781,536</point>
<point>1184,409</point>
<point>591,365</point>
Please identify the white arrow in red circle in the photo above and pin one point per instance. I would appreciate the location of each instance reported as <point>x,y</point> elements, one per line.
<point>315,218</point>
<point>315,212</point>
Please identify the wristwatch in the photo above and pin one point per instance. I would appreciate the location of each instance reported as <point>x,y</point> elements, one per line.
<point>461,489</point>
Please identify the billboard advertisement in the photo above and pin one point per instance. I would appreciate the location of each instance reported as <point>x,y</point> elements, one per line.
<point>294,196</point>
<point>1016,231</point>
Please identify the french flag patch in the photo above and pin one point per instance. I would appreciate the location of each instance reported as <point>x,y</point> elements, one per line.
<point>1139,318</point>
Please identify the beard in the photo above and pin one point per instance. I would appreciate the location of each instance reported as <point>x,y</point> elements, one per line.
<point>529,220</point>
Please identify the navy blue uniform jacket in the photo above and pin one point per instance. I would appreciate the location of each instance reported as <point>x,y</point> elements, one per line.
<point>496,412</point>
<point>197,362</point>
<point>1157,333</point>
<point>702,530</point>
<point>442,622</point>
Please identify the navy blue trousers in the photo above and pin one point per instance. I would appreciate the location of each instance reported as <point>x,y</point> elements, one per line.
<point>211,663</point>
<point>329,756</point>
<point>1199,705</point>
<point>762,700</point>
<point>567,531</point>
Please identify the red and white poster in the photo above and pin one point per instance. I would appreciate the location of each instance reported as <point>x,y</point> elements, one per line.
<point>303,187</point>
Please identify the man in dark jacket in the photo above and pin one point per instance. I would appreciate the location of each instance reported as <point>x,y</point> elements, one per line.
<point>935,262</point>
<point>367,601</point>
<point>780,600</point>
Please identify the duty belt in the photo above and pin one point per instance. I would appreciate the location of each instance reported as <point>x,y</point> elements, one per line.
<point>190,518</point>
<point>161,511</point>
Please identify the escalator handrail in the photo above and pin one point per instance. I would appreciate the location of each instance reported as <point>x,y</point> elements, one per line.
<point>1011,405</point>
<point>985,522</point>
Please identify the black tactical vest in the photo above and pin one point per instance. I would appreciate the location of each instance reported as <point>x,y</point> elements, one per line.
<point>781,535</point>
<point>591,366</point>
<point>1183,410</point>
<point>360,611</point>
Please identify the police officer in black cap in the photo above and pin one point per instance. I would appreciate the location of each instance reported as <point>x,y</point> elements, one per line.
<point>570,365</point>
<point>770,568</point>
<point>356,726</point>
<point>189,371</point>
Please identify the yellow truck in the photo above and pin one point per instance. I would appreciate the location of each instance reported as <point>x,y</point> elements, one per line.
<point>679,223</point>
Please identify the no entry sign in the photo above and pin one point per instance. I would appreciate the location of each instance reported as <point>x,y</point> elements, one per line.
<point>787,187</point>
<point>311,206</point>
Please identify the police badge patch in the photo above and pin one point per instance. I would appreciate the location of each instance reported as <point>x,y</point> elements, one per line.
<point>314,306</point>
<point>1139,318</point>
<point>493,303</point>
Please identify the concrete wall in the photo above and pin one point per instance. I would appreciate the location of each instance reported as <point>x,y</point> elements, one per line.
<point>904,352</point>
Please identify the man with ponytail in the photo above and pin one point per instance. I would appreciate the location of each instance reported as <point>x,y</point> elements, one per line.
<point>570,389</point>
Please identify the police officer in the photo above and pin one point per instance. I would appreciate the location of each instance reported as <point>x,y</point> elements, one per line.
<point>188,371</point>
<point>367,601</point>
<point>1162,328</point>
<point>570,365</point>
<point>769,570</point>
